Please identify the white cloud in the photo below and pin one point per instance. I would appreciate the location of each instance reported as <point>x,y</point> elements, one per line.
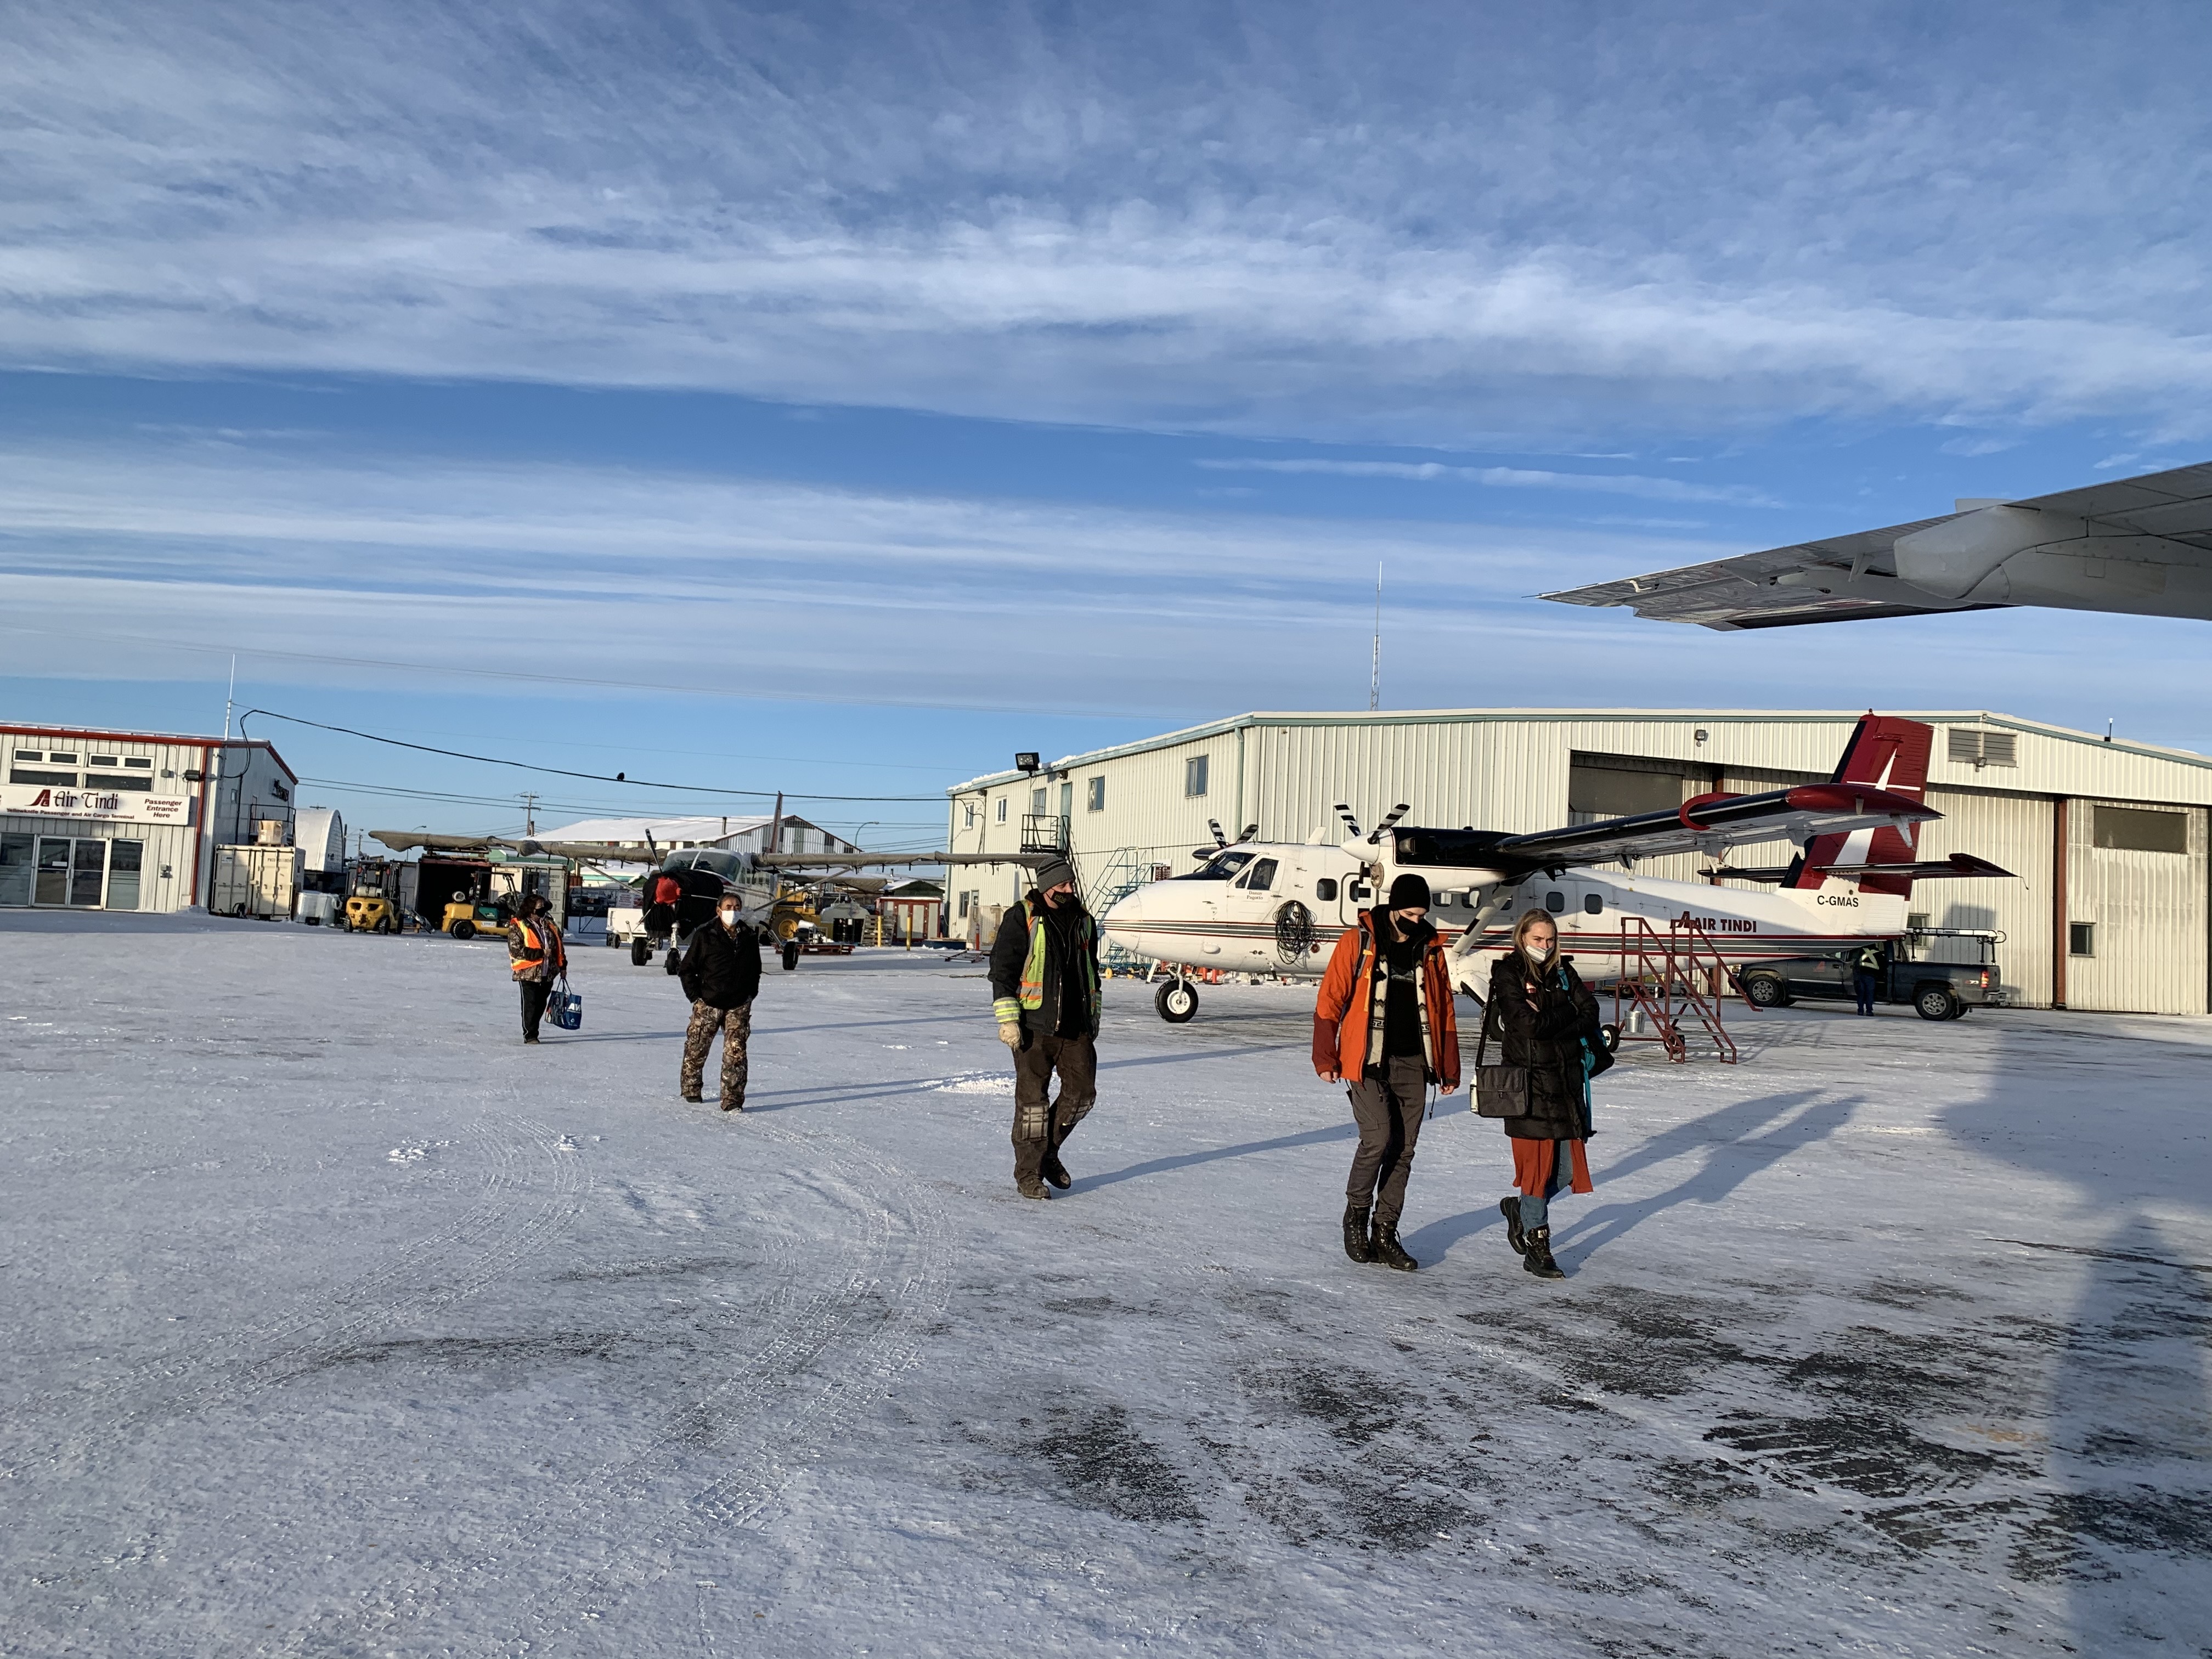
<point>1506,477</point>
<point>1438,225</point>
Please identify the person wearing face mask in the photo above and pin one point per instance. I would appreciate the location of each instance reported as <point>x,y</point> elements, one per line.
<point>1384,1023</point>
<point>538,957</point>
<point>1544,1019</point>
<point>1044,989</point>
<point>721,973</point>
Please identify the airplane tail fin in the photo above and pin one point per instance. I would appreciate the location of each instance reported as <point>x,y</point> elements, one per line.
<point>1884,752</point>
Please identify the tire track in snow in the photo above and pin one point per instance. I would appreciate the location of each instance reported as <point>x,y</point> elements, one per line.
<point>813,1361</point>
<point>502,1227</point>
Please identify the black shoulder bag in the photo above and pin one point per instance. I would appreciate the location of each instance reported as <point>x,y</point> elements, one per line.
<point>1499,1090</point>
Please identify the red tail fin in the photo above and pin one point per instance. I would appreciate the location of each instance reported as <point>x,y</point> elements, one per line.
<point>1888,753</point>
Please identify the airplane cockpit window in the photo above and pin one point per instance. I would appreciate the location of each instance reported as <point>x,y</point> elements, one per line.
<point>1325,888</point>
<point>1220,867</point>
<point>1555,901</point>
<point>728,865</point>
<point>1260,878</point>
<point>1594,903</point>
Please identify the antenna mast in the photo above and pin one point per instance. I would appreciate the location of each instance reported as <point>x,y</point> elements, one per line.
<point>230,697</point>
<point>1374,669</point>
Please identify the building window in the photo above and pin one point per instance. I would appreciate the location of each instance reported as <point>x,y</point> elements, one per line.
<point>61,760</point>
<point>117,781</point>
<point>1094,795</point>
<point>968,823</point>
<point>2138,830</point>
<point>1002,809</point>
<point>1970,745</point>
<point>1037,799</point>
<point>135,761</point>
<point>28,774</point>
<point>2081,939</point>
<point>1193,774</point>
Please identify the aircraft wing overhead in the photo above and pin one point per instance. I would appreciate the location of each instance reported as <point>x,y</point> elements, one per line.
<point>2151,523</point>
<point>1710,823</point>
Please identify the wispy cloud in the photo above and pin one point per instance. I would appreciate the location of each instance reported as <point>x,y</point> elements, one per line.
<point>1434,225</point>
<point>1505,478</point>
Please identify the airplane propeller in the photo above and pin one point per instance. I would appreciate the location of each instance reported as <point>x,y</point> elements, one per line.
<point>1389,821</point>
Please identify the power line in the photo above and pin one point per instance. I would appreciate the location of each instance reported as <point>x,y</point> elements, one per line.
<point>562,771</point>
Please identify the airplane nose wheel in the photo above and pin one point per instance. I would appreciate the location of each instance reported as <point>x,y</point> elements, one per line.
<point>1177,1000</point>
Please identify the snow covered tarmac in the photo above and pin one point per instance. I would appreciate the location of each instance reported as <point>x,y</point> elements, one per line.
<point>338,1322</point>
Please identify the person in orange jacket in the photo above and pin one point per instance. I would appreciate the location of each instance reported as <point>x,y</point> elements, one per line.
<point>539,958</point>
<point>1384,1023</point>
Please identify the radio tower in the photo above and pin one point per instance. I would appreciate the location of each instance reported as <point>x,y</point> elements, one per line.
<point>1375,668</point>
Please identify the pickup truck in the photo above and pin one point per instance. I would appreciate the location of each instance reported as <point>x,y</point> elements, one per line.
<point>1937,990</point>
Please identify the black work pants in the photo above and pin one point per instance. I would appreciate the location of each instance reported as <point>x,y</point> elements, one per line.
<point>1387,1109</point>
<point>534,993</point>
<point>1864,987</point>
<point>1041,1123</point>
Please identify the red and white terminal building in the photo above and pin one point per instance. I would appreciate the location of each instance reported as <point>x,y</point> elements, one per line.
<point>93,820</point>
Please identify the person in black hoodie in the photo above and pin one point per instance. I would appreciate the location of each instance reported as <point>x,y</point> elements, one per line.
<point>721,973</point>
<point>1044,989</point>
<point>1544,1019</point>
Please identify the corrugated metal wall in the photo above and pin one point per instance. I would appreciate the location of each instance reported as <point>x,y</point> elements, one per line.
<point>2149,909</point>
<point>2014,832</point>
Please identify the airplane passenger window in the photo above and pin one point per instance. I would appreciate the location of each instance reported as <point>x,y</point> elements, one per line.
<point>1593,904</point>
<point>1325,888</point>
<point>1262,877</point>
<point>1555,901</point>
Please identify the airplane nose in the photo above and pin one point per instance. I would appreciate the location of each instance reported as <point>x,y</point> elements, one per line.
<point>1127,914</point>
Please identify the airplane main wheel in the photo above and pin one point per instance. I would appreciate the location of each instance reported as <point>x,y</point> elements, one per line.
<point>641,952</point>
<point>790,956</point>
<point>1177,1001</point>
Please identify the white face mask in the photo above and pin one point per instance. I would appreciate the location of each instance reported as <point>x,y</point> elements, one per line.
<point>1538,953</point>
<point>729,918</point>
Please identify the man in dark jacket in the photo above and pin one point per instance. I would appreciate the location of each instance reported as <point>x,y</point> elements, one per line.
<point>1044,989</point>
<point>721,971</point>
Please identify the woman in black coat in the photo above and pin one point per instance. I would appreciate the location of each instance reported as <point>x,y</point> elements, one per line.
<point>1545,1019</point>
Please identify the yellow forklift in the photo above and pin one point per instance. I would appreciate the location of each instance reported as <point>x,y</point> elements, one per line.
<point>369,907</point>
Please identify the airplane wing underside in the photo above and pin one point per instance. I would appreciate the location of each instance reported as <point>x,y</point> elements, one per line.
<point>2137,544</point>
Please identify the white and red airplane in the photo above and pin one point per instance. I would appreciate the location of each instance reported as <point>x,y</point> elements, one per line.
<point>1275,907</point>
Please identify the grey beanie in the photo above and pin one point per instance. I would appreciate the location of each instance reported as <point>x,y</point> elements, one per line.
<point>1051,874</point>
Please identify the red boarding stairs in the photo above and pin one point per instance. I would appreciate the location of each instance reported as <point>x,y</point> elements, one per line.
<point>1677,980</point>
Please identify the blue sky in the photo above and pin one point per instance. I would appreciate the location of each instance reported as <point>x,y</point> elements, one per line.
<point>837,398</point>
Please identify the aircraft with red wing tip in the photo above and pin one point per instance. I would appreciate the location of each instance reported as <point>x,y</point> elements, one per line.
<point>1276,907</point>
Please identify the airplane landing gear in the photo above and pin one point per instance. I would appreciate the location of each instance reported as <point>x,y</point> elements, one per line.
<point>1177,1000</point>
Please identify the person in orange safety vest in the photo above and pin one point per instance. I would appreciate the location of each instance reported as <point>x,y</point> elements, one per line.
<point>539,958</point>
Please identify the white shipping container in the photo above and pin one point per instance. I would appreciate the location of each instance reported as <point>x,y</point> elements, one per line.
<point>254,881</point>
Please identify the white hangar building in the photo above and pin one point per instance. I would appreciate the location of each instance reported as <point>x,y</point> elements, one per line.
<point>2107,840</point>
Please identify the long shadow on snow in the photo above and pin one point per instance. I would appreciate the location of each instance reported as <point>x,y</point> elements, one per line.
<point>1188,1160</point>
<point>1737,1156</point>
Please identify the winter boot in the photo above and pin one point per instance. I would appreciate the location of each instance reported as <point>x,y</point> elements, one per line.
<point>1356,1244</point>
<point>1537,1258</point>
<point>693,1099</point>
<point>1056,1172</point>
<point>1388,1251</point>
<point>737,1105</point>
<point>1031,1187</point>
<point>1510,1209</point>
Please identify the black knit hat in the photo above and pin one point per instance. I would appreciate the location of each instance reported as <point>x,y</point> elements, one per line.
<point>1409,891</point>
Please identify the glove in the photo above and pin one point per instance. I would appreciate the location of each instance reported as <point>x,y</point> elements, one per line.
<point>1010,1033</point>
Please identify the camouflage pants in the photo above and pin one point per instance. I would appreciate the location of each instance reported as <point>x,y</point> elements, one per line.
<point>736,1026</point>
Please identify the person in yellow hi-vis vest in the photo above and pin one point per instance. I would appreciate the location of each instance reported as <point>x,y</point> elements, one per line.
<point>1044,990</point>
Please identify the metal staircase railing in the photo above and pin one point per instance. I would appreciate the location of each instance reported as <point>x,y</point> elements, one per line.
<point>1659,980</point>
<point>1125,873</point>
